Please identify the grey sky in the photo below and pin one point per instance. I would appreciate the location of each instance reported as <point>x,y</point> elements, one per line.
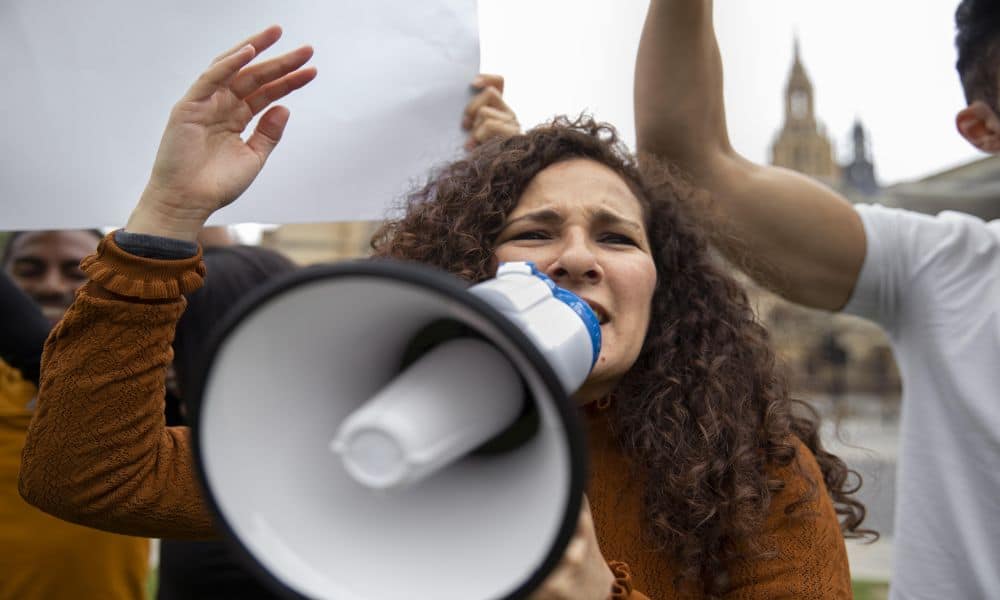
<point>889,62</point>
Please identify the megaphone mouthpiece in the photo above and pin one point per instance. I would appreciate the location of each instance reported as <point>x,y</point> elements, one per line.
<point>439,409</point>
<point>558,322</point>
<point>452,400</point>
<point>342,505</point>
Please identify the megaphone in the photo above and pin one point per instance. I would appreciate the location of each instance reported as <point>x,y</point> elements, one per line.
<point>378,430</point>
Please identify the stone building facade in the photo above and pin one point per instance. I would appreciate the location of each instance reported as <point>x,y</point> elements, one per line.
<point>311,243</point>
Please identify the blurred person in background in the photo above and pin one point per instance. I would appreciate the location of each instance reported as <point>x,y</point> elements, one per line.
<point>932,282</point>
<point>41,557</point>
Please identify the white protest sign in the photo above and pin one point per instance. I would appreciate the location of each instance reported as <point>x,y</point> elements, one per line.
<point>88,87</point>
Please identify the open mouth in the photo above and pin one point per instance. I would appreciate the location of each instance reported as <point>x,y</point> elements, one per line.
<point>600,311</point>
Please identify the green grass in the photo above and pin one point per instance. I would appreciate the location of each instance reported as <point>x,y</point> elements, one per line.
<point>151,584</point>
<point>870,590</point>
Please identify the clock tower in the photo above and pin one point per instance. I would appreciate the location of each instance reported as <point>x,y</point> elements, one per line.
<point>802,144</point>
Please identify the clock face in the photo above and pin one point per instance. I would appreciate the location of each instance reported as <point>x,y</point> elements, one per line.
<point>800,104</point>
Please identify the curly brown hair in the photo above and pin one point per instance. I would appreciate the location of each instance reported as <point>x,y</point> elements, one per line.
<point>704,411</point>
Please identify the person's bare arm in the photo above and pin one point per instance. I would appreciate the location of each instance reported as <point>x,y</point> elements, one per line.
<point>796,236</point>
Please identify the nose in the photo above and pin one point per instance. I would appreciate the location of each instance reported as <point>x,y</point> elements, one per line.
<point>576,262</point>
<point>52,283</point>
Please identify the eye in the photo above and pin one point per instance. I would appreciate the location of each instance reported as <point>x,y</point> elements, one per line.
<point>617,238</point>
<point>73,272</point>
<point>26,268</point>
<point>26,271</point>
<point>531,235</point>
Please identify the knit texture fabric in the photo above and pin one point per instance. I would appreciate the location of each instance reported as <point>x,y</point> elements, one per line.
<point>142,278</point>
<point>806,555</point>
<point>98,452</point>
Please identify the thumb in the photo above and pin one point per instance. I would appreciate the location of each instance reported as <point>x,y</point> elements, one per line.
<point>586,517</point>
<point>268,132</point>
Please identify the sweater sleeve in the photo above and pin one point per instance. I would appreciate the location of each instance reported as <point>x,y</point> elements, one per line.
<point>805,557</point>
<point>98,452</point>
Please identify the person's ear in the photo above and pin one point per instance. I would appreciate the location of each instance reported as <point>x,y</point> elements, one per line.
<point>980,125</point>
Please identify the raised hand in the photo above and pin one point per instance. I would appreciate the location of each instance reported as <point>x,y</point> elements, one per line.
<point>487,116</point>
<point>203,163</point>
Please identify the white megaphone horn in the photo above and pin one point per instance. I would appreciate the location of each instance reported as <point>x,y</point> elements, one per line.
<point>377,430</point>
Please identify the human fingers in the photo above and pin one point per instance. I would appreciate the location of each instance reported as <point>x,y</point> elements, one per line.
<point>585,532</point>
<point>576,552</point>
<point>261,41</point>
<point>211,80</point>
<point>561,583</point>
<point>484,80</point>
<point>275,90</point>
<point>490,129</point>
<point>586,522</point>
<point>488,113</point>
<point>490,96</point>
<point>252,78</point>
<point>268,132</point>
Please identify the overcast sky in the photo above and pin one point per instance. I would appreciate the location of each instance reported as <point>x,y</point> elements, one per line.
<point>889,62</point>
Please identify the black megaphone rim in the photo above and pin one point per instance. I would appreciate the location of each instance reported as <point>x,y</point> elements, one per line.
<point>449,287</point>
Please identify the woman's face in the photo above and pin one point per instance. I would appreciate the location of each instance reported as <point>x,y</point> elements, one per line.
<point>581,225</point>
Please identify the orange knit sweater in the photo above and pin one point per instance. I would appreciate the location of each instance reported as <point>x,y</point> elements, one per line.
<point>98,452</point>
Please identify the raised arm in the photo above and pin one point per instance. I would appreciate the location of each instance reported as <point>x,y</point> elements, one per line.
<point>794,235</point>
<point>203,163</point>
<point>98,451</point>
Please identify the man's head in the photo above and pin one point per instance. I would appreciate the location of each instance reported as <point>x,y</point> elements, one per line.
<point>46,265</point>
<point>978,43</point>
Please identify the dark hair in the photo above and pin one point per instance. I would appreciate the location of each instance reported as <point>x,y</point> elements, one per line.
<point>13,236</point>
<point>704,412</point>
<point>233,271</point>
<point>978,43</point>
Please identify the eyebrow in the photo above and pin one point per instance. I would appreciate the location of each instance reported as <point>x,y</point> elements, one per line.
<point>545,216</point>
<point>604,217</point>
<point>601,217</point>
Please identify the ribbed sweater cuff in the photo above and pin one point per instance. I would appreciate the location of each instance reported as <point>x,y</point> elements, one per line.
<point>125,274</point>
<point>621,589</point>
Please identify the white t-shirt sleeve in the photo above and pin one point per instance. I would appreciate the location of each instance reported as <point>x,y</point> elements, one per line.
<point>916,263</point>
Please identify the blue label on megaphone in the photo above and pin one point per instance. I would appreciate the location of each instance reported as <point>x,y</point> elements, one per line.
<point>581,308</point>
